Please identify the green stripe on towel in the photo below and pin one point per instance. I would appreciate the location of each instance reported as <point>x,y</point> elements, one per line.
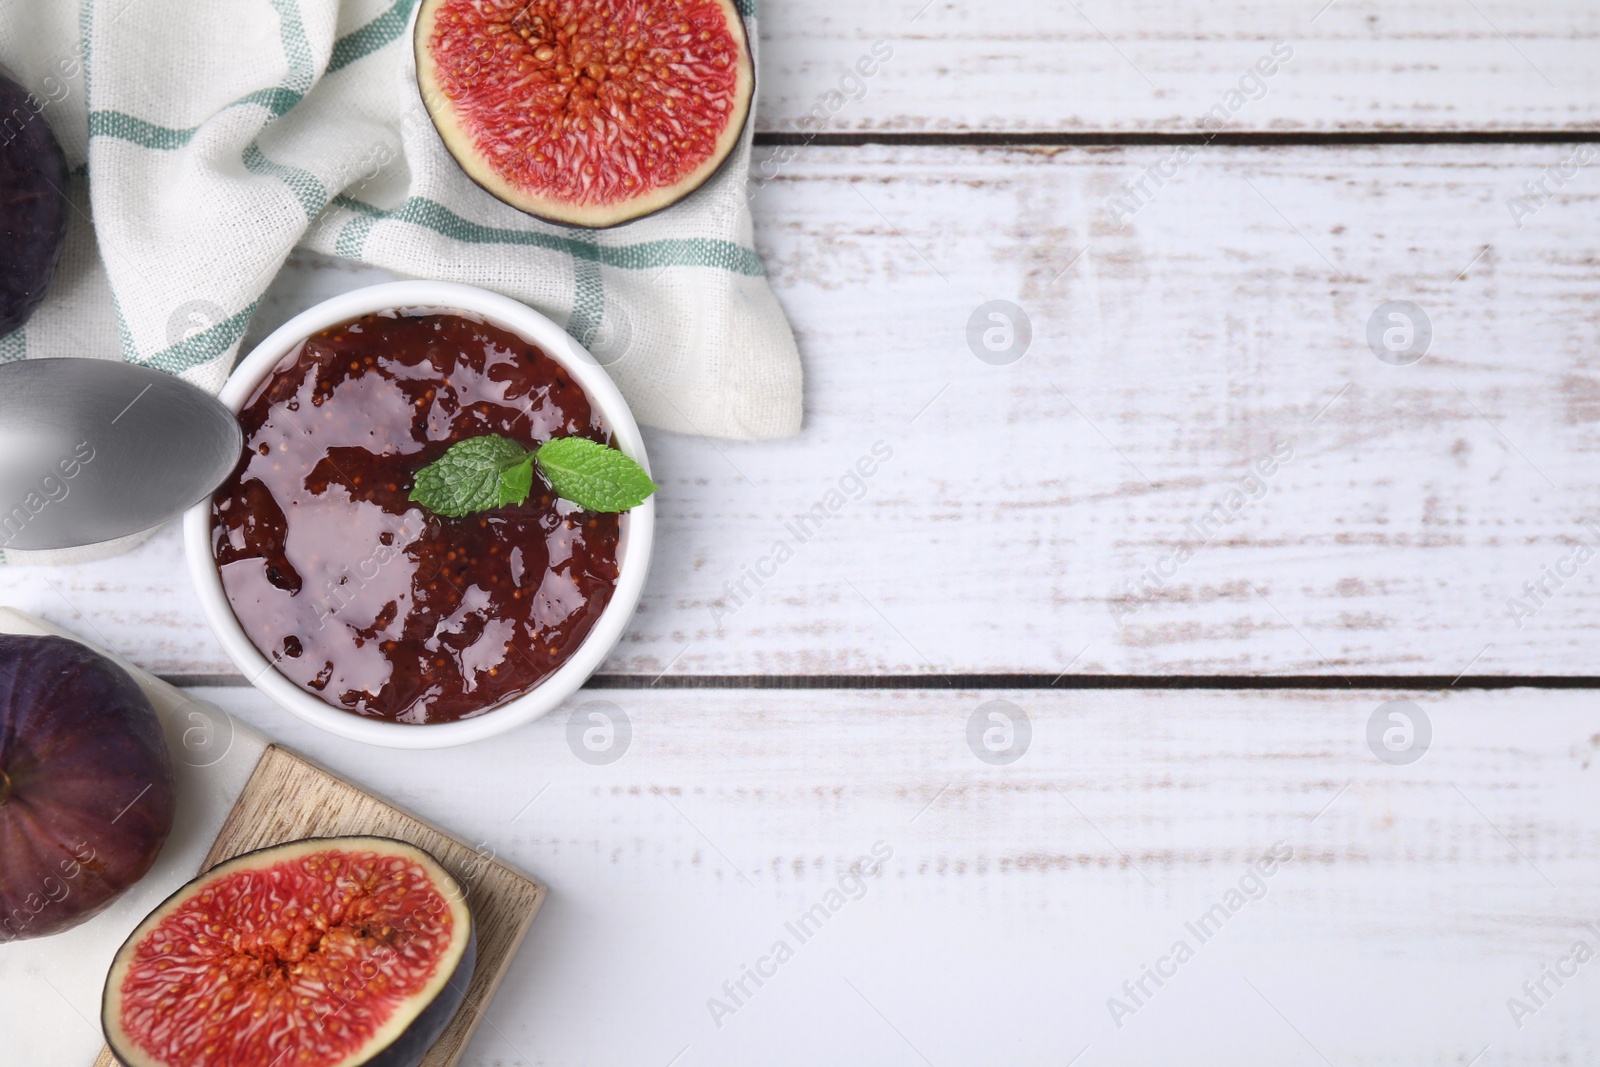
<point>296,49</point>
<point>647,255</point>
<point>306,187</point>
<point>124,127</point>
<point>352,240</point>
<point>371,37</point>
<point>204,346</point>
<point>588,302</point>
<point>14,345</point>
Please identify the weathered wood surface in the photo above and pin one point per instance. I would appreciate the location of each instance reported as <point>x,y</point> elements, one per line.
<point>1168,357</point>
<point>1020,897</point>
<point>1158,66</point>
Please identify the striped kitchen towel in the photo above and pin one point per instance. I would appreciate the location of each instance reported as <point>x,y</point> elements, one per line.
<point>210,137</point>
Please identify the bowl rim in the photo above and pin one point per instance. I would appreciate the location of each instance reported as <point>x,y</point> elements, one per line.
<point>633,548</point>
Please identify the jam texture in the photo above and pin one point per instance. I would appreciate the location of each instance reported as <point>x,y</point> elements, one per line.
<point>369,601</point>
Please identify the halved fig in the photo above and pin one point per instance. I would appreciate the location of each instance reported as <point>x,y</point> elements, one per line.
<point>328,952</point>
<point>586,112</point>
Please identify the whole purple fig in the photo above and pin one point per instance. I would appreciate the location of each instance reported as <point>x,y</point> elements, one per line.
<point>33,203</point>
<point>86,788</point>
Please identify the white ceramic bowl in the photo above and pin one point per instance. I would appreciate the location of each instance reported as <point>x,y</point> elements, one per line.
<point>633,548</point>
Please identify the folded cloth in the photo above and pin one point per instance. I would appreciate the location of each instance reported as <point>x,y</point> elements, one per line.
<point>210,137</point>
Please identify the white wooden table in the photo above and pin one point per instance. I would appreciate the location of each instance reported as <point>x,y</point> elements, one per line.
<point>1165,731</point>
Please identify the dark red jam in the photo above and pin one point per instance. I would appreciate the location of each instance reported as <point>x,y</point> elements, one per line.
<point>371,602</point>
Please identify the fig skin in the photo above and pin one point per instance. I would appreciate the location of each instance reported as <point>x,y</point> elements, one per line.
<point>86,787</point>
<point>33,204</point>
<point>407,1049</point>
<point>411,1047</point>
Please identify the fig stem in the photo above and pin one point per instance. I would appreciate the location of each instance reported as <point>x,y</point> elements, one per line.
<point>5,787</point>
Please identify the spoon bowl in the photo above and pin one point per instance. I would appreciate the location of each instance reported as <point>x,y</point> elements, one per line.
<point>96,449</point>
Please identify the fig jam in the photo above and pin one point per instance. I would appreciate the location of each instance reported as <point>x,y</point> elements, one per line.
<point>370,601</point>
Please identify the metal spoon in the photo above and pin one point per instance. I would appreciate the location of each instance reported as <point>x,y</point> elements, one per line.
<point>94,449</point>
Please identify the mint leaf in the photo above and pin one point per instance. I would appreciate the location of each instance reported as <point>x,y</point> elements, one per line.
<point>472,475</point>
<point>487,472</point>
<point>517,482</point>
<point>593,476</point>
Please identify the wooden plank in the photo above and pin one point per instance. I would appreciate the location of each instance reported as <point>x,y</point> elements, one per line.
<point>1229,315</point>
<point>288,799</point>
<point>1020,897</point>
<point>1159,66</point>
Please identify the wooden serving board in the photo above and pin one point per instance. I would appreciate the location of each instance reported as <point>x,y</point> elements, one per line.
<point>288,799</point>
